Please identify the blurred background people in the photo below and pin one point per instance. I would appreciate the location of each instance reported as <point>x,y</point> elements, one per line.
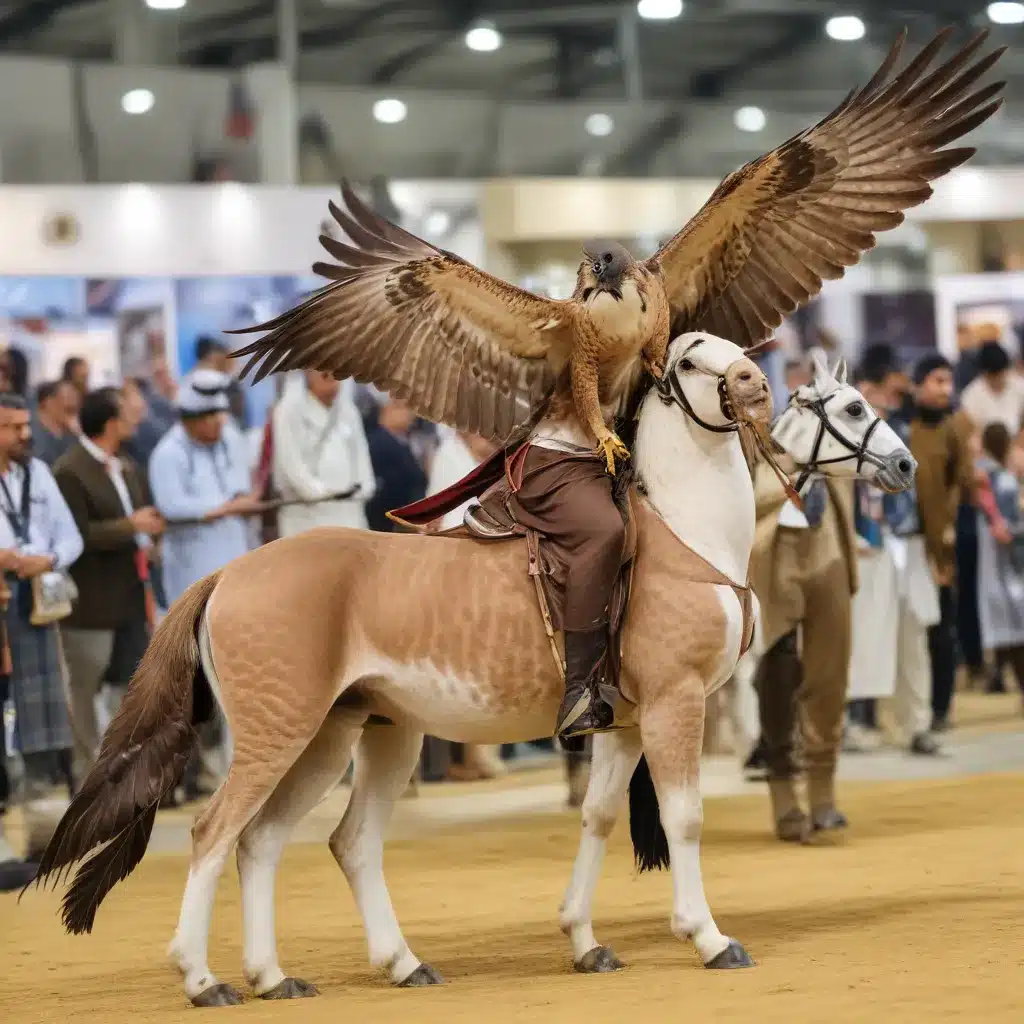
<point>55,422</point>
<point>199,487</point>
<point>108,629</point>
<point>76,373</point>
<point>1001,559</point>
<point>897,600</point>
<point>939,441</point>
<point>39,541</point>
<point>401,477</point>
<point>996,395</point>
<point>320,448</point>
<point>212,354</point>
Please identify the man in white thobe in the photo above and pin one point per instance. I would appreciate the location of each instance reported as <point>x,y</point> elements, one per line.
<point>320,449</point>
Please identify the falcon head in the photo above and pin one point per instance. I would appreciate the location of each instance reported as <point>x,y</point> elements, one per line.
<point>606,267</point>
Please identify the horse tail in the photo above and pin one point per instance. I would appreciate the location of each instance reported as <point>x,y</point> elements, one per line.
<point>142,758</point>
<point>650,844</point>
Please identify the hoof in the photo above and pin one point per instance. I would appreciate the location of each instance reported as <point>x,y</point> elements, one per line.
<point>292,988</point>
<point>423,975</point>
<point>828,820</point>
<point>217,995</point>
<point>732,957</point>
<point>600,960</point>
<point>793,827</point>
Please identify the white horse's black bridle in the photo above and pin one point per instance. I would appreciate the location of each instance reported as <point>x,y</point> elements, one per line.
<point>670,391</point>
<point>855,450</point>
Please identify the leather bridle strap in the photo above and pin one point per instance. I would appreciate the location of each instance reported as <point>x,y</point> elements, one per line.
<point>670,391</point>
<point>856,451</point>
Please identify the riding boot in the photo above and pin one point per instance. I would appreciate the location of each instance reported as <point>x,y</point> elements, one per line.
<point>583,709</point>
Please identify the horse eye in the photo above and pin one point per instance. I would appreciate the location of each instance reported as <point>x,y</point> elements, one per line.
<point>856,410</point>
<point>686,364</point>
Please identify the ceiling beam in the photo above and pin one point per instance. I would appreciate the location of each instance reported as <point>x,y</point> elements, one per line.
<point>27,19</point>
<point>263,46</point>
<point>460,17</point>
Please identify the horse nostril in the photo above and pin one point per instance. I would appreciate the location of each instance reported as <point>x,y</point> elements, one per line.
<point>904,465</point>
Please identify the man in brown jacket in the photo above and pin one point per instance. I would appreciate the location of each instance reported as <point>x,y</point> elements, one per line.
<point>939,438</point>
<point>804,572</point>
<point>107,631</point>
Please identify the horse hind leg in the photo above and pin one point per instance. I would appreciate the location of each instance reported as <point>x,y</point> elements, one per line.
<point>615,756</point>
<point>318,770</point>
<point>384,762</point>
<point>267,742</point>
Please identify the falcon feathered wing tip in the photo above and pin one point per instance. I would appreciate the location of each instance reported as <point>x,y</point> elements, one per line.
<point>461,346</point>
<point>774,230</point>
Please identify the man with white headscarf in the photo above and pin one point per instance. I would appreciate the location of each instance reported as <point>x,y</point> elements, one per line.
<point>201,485</point>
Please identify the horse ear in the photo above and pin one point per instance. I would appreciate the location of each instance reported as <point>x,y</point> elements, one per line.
<point>840,371</point>
<point>822,374</point>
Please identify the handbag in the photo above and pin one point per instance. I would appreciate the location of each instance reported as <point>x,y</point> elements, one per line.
<point>50,596</point>
<point>53,594</point>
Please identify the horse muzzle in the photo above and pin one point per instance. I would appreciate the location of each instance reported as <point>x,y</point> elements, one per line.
<point>897,471</point>
<point>747,393</point>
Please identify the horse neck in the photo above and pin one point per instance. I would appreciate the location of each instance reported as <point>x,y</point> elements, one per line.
<point>699,482</point>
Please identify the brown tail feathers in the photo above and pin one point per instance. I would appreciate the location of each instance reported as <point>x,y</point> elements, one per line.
<point>142,757</point>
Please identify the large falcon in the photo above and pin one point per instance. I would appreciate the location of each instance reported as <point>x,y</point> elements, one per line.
<point>470,350</point>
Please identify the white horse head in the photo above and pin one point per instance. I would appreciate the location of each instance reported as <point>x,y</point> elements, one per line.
<point>828,427</point>
<point>714,382</point>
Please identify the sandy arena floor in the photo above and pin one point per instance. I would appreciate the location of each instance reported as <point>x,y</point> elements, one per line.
<point>918,915</point>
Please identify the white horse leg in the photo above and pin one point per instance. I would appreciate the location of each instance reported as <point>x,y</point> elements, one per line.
<point>190,946</point>
<point>615,756</point>
<point>385,759</point>
<point>318,770</point>
<point>672,730</point>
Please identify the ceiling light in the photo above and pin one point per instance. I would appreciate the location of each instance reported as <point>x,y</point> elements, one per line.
<point>749,119</point>
<point>137,101</point>
<point>165,5</point>
<point>437,223</point>
<point>483,38</point>
<point>599,124</point>
<point>389,111</point>
<point>845,27</point>
<point>659,10</point>
<point>1006,13</point>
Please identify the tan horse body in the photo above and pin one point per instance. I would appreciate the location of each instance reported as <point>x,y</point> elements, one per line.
<point>304,639</point>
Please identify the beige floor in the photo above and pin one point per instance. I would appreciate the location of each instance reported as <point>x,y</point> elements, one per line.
<point>918,915</point>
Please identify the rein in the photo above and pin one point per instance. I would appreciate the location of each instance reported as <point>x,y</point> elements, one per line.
<point>856,451</point>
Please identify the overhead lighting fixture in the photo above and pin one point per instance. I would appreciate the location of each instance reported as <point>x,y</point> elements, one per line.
<point>137,101</point>
<point>749,119</point>
<point>1006,13</point>
<point>389,111</point>
<point>165,5</point>
<point>847,28</point>
<point>659,10</point>
<point>599,125</point>
<point>483,38</point>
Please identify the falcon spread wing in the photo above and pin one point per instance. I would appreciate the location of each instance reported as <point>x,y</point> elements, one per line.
<point>775,229</point>
<point>462,347</point>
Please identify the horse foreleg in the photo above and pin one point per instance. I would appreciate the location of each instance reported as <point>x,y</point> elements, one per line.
<point>672,729</point>
<point>385,759</point>
<point>615,756</point>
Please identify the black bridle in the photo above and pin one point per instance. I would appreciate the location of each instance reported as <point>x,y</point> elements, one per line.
<point>670,391</point>
<point>858,451</point>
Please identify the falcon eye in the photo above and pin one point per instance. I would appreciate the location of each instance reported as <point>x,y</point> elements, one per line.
<point>686,365</point>
<point>855,410</point>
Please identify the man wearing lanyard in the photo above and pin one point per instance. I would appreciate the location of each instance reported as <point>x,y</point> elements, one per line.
<point>107,631</point>
<point>38,537</point>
